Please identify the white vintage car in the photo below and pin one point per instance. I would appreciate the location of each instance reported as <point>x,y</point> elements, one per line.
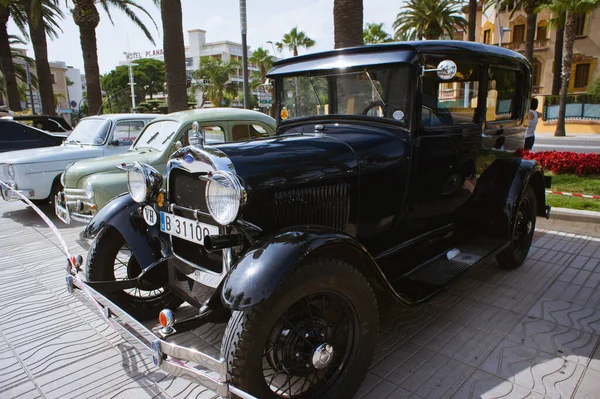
<point>35,173</point>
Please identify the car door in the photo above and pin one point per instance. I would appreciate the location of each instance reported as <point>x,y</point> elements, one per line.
<point>449,137</point>
<point>16,136</point>
<point>123,134</point>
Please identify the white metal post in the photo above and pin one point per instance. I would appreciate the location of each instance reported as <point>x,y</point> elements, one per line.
<point>132,83</point>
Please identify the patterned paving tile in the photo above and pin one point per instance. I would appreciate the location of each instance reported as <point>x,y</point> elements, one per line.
<point>487,386</point>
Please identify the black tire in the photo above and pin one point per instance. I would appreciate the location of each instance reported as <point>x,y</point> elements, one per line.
<point>249,333</point>
<point>522,232</point>
<point>108,249</point>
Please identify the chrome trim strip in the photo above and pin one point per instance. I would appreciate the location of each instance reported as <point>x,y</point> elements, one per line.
<point>183,208</point>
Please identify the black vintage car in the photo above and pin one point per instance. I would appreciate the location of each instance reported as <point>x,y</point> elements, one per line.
<point>393,170</point>
<point>16,136</point>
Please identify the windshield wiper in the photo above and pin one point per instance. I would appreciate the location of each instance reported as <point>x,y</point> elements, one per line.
<point>314,90</point>
<point>375,87</point>
<point>152,138</point>
<point>168,137</point>
<point>73,141</point>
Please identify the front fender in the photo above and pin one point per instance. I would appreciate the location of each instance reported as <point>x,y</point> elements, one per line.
<point>124,215</point>
<point>106,186</point>
<point>256,275</point>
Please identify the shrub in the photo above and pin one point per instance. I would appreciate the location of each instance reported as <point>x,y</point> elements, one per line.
<point>594,88</point>
<point>559,162</point>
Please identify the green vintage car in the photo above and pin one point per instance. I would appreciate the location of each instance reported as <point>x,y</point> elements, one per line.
<point>91,184</point>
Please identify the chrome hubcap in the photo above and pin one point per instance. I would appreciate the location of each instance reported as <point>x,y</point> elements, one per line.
<point>322,356</point>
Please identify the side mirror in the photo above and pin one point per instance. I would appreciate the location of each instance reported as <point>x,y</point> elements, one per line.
<point>114,142</point>
<point>178,145</point>
<point>446,70</point>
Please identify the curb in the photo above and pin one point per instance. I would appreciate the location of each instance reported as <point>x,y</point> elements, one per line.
<point>572,221</point>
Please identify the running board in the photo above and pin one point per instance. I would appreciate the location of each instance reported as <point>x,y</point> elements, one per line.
<point>429,278</point>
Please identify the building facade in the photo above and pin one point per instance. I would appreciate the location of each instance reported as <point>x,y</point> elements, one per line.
<point>198,47</point>
<point>514,27</point>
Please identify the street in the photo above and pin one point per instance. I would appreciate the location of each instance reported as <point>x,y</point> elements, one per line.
<point>529,332</point>
<point>575,143</point>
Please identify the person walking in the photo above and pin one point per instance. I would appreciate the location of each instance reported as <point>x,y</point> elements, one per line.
<point>534,117</point>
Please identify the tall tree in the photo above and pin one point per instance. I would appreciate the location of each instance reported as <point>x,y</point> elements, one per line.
<point>374,34</point>
<point>572,9</point>
<point>19,70</point>
<point>559,23</point>
<point>261,58</point>
<point>87,18</point>
<point>347,23</point>
<point>214,75</point>
<point>15,10</point>
<point>472,19</point>
<point>43,19</point>
<point>429,19</point>
<point>176,77</point>
<point>294,40</point>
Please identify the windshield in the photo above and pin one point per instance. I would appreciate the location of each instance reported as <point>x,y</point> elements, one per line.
<point>157,135</point>
<point>373,91</point>
<point>90,132</point>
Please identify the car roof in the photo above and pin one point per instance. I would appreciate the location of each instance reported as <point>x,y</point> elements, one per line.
<point>123,116</point>
<point>389,53</point>
<point>218,114</point>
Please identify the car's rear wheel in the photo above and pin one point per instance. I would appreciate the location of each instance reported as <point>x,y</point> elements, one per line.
<point>522,232</point>
<point>110,259</point>
<point>313,338</point>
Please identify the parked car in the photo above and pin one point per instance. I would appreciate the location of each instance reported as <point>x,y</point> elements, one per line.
<point>35,173</point>
<point>16,136</point>
<point>392,171</point>
<point>53,124</point>
<point>90,184</point>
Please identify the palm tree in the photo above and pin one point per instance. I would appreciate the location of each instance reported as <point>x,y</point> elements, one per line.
<point>214,75</point>
<point>19,70</point>
<point>571,8</point>
<point>472,19</point>
<point>261,58</point>
<point>294,40</point>
<point>347,23</point>
<point>175,73</point>
<point>87,18</point>
<point>430,19</point>
<point>42,18</point>
<point>374,34</point>
<point>10,9</point>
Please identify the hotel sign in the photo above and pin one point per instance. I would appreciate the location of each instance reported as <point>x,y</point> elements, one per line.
<point>144,54</point>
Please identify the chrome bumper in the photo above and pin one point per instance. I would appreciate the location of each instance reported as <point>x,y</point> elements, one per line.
<point>66,209</point>
<point>9,195</point>
<point>176,360</point>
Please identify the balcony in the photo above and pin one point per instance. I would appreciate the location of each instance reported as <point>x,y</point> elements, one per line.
<point>538,45</point>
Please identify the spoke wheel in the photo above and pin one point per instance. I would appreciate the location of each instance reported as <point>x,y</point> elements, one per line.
<point>310,346</point>
<point>312,338</point>
<point>110,258</point>
<point>522,232</point>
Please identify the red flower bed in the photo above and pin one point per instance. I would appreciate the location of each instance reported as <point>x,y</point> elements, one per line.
<point>566,162</point>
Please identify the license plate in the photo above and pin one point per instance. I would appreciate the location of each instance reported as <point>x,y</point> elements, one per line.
<point>188,229</point>
<point>61,212</point>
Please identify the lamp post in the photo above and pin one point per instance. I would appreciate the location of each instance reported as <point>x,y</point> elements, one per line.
<point>273,47</point>
<point>244,53</point>
<point>131,82</point>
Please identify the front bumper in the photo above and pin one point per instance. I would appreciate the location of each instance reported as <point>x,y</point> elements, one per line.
<point>176,360</point>
<point>9,195</point>
<point>68,208</point>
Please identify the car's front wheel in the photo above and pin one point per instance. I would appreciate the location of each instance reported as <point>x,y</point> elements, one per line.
<point>109,259</point>
<point>313,338</point>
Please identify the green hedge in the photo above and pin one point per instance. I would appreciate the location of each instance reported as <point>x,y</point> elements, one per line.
<point>574,99</point>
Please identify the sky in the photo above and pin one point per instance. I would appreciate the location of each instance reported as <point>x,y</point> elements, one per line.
<point>267,20</point>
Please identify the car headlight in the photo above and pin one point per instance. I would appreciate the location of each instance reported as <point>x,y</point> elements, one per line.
<point>89,189</point>
<point>143,181</point>
<point>225,196</point>
<point>11,172</point>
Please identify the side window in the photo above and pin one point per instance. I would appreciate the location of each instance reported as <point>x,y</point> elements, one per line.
<point>241,132</point>
<point>212,135</point>
<point>451,102</point>
<point>127,131</point>
<point>504,101</point>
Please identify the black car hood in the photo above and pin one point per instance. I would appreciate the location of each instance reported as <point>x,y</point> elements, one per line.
<point>290,160</point>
